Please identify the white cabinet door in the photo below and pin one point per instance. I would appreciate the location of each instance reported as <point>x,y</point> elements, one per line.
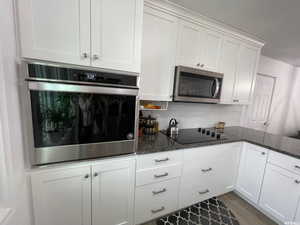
<point>190,44</point>
<point>62,197</point>
<point>116,34</point>
<point>158,55</point>
<point>280,193</point>
<point>228,66</point>
<point>251,171</point>
<point>56,30</point>
<point>245,74</point>
<point>212,44</point>
<point>113,192</point>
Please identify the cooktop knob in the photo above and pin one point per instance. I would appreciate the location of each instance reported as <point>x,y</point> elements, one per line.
<point>199,129</point>
<point>208,132</point>
<point>218,136</point>
<point>213,134</point>
<point>203,131</point>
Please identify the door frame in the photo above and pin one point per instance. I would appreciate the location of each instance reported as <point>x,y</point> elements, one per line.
<point>271,102</point>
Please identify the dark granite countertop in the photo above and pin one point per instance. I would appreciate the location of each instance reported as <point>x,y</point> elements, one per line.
<point>286,145</point>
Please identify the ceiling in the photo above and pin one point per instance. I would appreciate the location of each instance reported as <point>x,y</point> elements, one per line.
<point>274,21</point>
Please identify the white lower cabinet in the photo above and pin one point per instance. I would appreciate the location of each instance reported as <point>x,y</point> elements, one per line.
<point>62,197</point>
<point>155,200</point>
<point>280,193</point>
<point>207,172</point>
<point>99,193</point>
<point>251,171</point>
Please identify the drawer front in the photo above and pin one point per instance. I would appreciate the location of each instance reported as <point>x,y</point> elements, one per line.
<point>194,194</point>
<point>148,176</point>
<point>159,159</point>
<point>155,200</point>
<point>199,158</point>
<point>287,162</point>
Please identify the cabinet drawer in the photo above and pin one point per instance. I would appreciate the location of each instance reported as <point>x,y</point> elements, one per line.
<point>194,194</point>
<point>159,159</point>
<point>284,161</point>
<point>148,176</point>
<point>156,200</point>
<point>199,158</point>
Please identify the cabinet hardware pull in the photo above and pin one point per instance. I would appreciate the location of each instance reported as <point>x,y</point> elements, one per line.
<point>297,167</point>
<point>86,176</point>
<point>161,160</point>
<point>159,192</point>
<point>95,174</point>
<point>158,210</point>
<point>236,100</point>
<point>85,55</point>
<point>198,64</point>
<point>297,181</point>
<point>203,192</point>
<point>206,170</point>
<point>202,65</point>
<point>161,175</point>
<point>263,153</point>
<point>95,57</point>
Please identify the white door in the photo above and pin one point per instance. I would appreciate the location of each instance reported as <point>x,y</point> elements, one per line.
<point>212,44</point>
<point>113,192</point>
<point>259,110</point>
<point>62,197</point>
<point>228,66</point>
<point>56,30</point>
<point>190,44</point>
<point>280,193</point>
<point>251,171</point>
<point>116,34</point>
<point>246,74</point>
<point>158,55</point>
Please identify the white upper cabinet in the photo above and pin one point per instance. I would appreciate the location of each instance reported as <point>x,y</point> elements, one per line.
<point>198,47</point>
<point>99,33</point>
<point>251,171</point>
<point>158,55</point>
<point>190,39</point>
<point>56,30</point>
<point>246,72</point>
<point>238,63</point>
<point>62,196</point>
<point>113,192</point>
<point>116,34</point>
<point>211,53</point>
<point>280,193</point>
<point>228,66</point>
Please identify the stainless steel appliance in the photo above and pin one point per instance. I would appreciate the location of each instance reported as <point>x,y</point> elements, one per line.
<point>194,85</point>
<point>78,114</point>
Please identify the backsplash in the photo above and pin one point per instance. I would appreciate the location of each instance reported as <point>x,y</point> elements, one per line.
<point>191,115</point>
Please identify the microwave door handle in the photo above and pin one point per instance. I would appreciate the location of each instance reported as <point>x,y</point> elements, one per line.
<point>217,87</point>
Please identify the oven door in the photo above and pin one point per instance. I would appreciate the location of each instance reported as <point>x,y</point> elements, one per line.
<point>71,122</point>
<point>192,85</point>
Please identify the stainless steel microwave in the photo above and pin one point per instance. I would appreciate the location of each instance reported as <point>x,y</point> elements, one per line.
<point>194,85</point>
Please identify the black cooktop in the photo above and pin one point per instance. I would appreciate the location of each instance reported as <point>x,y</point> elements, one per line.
<point>198,135</point>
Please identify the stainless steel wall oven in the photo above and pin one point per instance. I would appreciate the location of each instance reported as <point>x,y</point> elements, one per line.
<point>79,114</point>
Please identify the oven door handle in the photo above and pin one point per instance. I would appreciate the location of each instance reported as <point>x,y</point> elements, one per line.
<point>217,88</point>
<point>74,88</point>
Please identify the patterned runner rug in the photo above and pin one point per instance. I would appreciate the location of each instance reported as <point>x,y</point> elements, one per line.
<point>210,212</point>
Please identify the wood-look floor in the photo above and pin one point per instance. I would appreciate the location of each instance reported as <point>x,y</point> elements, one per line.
<point>245,213</point>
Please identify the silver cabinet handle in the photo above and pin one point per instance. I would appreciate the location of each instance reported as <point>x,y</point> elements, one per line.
<point>203,192</point>
<point>161,175</point>
<point>161,160</point>
<point>158,210</point>
<point>206,170</point>
<point>95,57</point>
<point>159,192</point>
<point>86,176</point>
<point>263,153</point>
<point>297,181</point>
<point>85,55</point>
<point>297,167</point>
<point>200,65</point>
<point>95,174</point>
<point>236,100</point>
